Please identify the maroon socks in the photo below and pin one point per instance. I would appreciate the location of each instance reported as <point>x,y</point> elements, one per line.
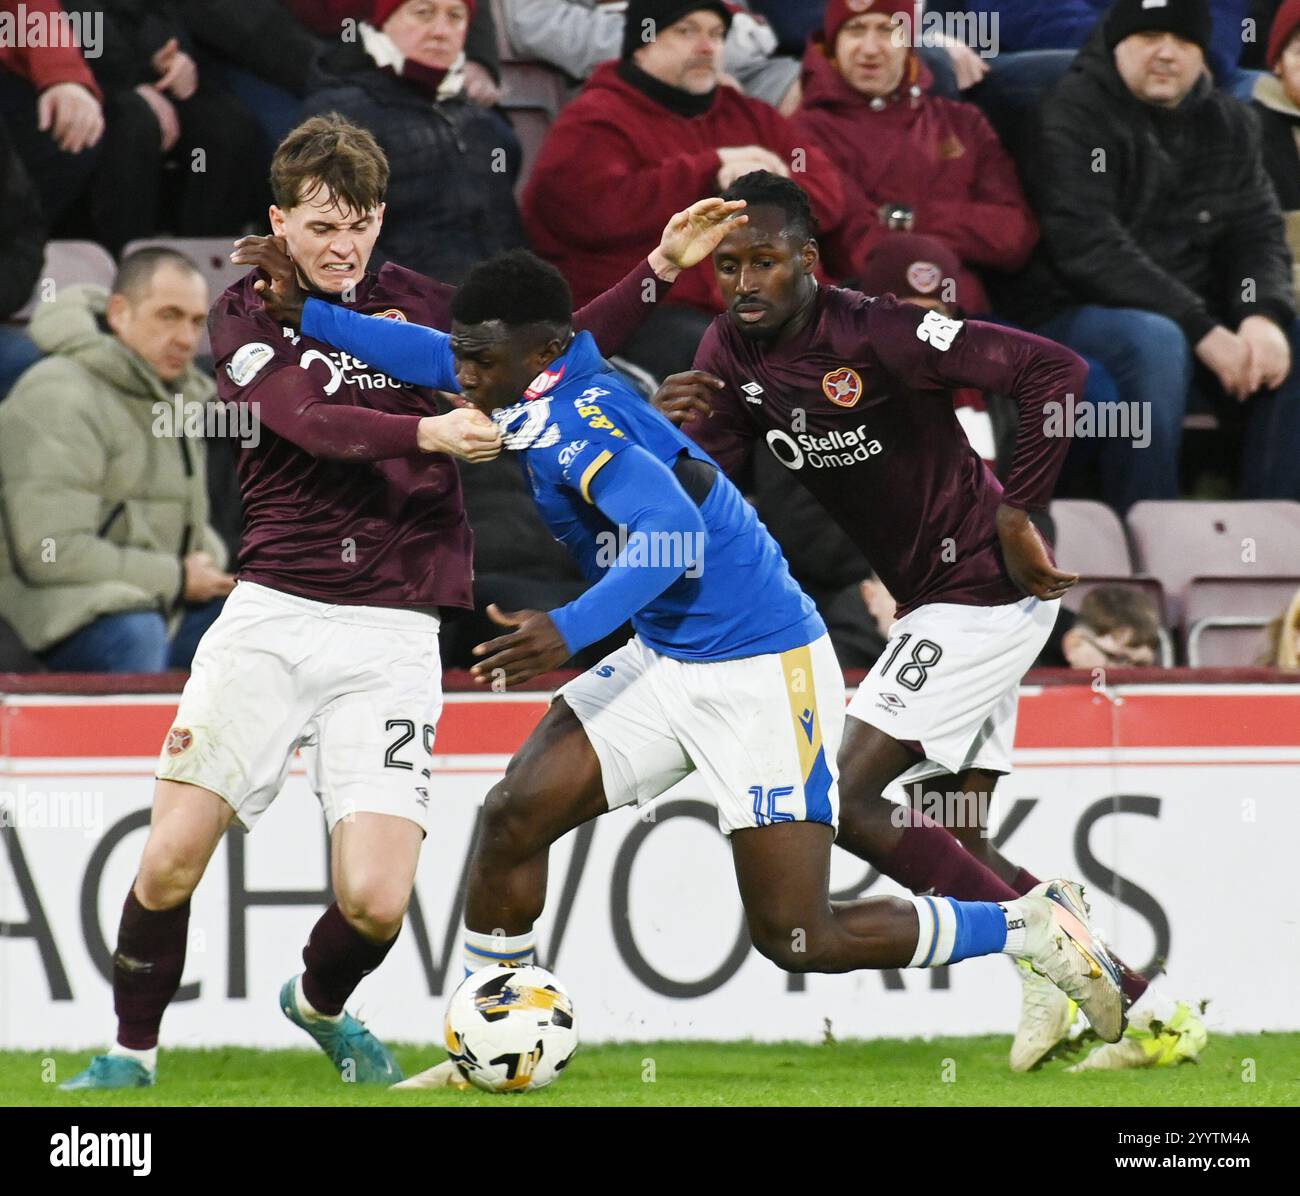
<point>147,968</point>
<point>337,957</point>
<point>927,857</point>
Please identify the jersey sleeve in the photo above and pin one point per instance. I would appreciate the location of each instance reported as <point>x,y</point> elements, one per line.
<point>256,365</point>
<point>928,351</point>
<point>728,434</point>
<point>409,352</point>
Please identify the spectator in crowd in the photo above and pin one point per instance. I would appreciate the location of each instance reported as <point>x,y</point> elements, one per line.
<point>649,135</point>
<point>160,113</point>
<point>1163,244</point>
<point>22,250</point>
<point>578,35</point>
<point>1116,627</point>
<point>1254,50</point>
<point>913,161</point>
<point>262,53</point>
<point>109,564</point>
<point>1283,638</point>
<point>793,21</point>
<point>451,196</point>
<point>1277,101</point>
<point>926,272</point>
<point>335,20</point>
<point>54,110</point>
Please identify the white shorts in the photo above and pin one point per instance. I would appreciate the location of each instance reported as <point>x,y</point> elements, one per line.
<point>762,731</point>
<point>949,680</point>
<point>357,688</point>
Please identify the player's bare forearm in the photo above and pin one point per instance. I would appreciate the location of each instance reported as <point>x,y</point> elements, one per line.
<point>533,648</point>
<point>1026,556</point>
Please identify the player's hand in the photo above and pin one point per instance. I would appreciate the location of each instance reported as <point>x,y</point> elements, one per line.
<point>1270,352</point>
<point>203,580</point>
<point>690,236</point>
<point>164,112</point>
<point>177,72</point>
<point>1228,356</point>
<point>534,647</point>
<point>71,115</point>
<point>480,86</point>
<point>684,397</point>
<point>1026,556</point>
<point>283,296</point>
<point>465,433</point>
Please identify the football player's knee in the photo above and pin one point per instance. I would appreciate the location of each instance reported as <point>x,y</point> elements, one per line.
<point>511,821</point>
<point>168,875</point>
<point>375,908</point>
<point>791,948</point>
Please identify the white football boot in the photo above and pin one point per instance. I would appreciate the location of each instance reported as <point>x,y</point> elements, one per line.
<point>1046,1015</point>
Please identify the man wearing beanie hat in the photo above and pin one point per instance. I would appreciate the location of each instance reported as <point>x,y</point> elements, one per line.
<point>647,136</point>
<point>1164,253</point>
<point>919,162</point>
<point>450,202</point>
<point>576,36</point>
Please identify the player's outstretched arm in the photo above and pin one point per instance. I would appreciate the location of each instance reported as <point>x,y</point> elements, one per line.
<point>409,352</point>
<point>688,238</point>
<point>643,499</point>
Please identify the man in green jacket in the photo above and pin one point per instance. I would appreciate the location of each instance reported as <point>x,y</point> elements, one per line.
<point>109,564</point>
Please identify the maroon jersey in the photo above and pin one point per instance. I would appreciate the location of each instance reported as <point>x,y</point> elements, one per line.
<point>859,407</point>
<point>339,503</point>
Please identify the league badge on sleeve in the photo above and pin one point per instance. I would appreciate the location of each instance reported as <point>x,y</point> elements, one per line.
<point>247,361</point>
<point>843,386</point>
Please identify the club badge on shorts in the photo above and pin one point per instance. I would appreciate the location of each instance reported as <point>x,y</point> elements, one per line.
<point>179,741</point>
<point>843,386</point>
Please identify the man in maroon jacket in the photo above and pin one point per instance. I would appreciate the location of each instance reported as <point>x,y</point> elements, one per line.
<point>355,537</point>
<point>854,396</point>
<point>917,162</point>
<point>650,134</point>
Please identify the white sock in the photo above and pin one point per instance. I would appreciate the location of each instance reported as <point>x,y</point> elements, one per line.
<point>486,950</point>
<point>147,1059</point>
<point>938,932</point>
<point>1017,925</point>
<point>306,1008</point>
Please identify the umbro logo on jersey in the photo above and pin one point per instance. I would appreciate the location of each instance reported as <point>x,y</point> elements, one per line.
<point>895,700</point>
<point>752,392</point>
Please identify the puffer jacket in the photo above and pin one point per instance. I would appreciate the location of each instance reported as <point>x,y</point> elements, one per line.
<point>1168,210</point>
<point>99,510</point>
<point>452,167</point>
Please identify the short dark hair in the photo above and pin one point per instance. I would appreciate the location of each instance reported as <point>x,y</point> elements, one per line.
<point>135,273</point>
<point>1108,608</point>
<point>762,188</point>
<point>515,287</point>
<point>329,151</point>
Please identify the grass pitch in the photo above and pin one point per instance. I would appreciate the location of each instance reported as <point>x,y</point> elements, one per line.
<point>1235,1070</point>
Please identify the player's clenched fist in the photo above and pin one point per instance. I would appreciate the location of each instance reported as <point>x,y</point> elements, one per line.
<point>1026,557</point>
<point>465,433</point>
<point>684,397</point>
<point>284,296</point>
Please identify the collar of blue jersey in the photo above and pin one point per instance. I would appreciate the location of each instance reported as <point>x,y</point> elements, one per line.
<point>581,359</point>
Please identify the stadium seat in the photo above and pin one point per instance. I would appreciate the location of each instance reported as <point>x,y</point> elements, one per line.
<point>1225,617</point>
<point>212,257</point>
<point>1090,539</point>
<point>1178,540</point>
<point>67,264</point>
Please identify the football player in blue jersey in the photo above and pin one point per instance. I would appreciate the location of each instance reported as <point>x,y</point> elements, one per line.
<point>730,673</point>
